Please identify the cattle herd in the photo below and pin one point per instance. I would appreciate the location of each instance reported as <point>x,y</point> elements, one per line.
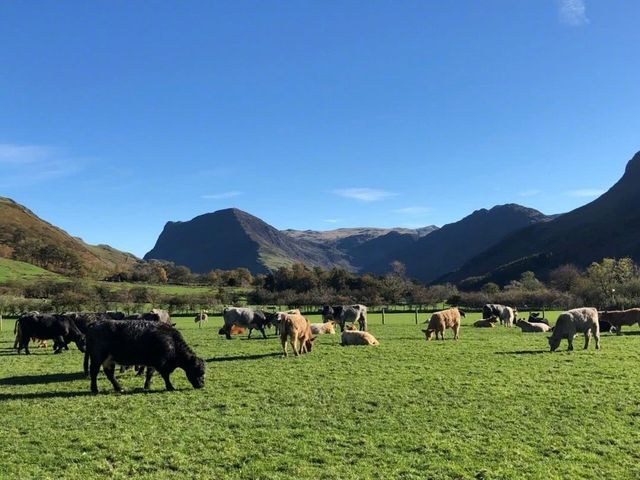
<point>151,342</point>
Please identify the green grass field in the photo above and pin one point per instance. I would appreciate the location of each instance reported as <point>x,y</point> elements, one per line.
<point>14,270</point>
<point>495,404</point>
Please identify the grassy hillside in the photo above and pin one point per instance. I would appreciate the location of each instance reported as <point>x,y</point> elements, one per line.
<point>493,405</point>
<point>14,270</point>
<point>26,237</point>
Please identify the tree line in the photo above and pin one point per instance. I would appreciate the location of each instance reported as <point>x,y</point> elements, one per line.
<point>608,284</point>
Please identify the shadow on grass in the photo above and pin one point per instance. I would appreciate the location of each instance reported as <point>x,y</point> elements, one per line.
<point>42,395</point>
<point>243,357</point>
<point>40,379</point>
<point>524,352</point>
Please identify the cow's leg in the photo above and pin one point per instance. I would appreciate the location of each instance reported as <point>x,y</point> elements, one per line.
<point>58,344</point>
<point>109,368</point>
<point>456,332</point>
<point>167,381</point>
<point>587,337</point>
<point>94,369</point>
<point>619,329</point>
<point>147,380</point>
<point>570,342</point>
<point>596,335</point>
<point>25,345</point>
<point>294,345</point>
<point>139,370</point>
<point>264,335</point>
<point>85,364</point>
<point>283,341</point>
<point>250,331</point>
<point>227,331</point>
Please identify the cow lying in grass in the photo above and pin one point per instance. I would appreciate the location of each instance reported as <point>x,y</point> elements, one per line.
<point>572,322</point>
<point>323,328</point>
<point>156,345</point>
<point>442,320</point>
<point>486,323</point>
<point>354,337</point>
<point>295,329</point>
<point>532,327</point>
<point>621,318</point>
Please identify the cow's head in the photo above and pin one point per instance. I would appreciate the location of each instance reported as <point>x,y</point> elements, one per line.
<point>327,311</point>
<point>81,343</point>
<point>309,343</point>
<point>554,343</point>
<point>195,370</point>
<point>428,333</point>
<point>223,330</point>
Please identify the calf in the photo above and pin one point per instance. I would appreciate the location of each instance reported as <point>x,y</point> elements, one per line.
<point>295,328</point>
<point>156,345</point>
<point>49,327</point>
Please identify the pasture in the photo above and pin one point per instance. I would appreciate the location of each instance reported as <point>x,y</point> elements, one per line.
<point>493,405</point>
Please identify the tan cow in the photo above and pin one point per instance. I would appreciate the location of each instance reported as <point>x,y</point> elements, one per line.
<point>442,320</point>
<point>355,337</point>
<point>323,328</point>
<point>297,330</point>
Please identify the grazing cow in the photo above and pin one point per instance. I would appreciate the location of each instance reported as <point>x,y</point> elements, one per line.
<point>346,313</point>
<point>323,328</point>
<point>572,322</point>
<point>442,320</point>
<point>243,317</point>
<point>201,318</point>
<point>54,327</point>
<point>156,345</point>
<point>532,327</point>
<point>486,323</point>
<point>507,315</point>
<point>353,337</point>
<point>295,328</point>
<point>620,318</point>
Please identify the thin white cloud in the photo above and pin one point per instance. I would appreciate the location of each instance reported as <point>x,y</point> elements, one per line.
<point>24,154</point>
<point>26,165</point>
<point>530,193</point>
<point>332,220</point>
<point>219,196</point>
<point>364,194</point>
<point>573,12</point>
<point>585,192</point>
<point>412,210</point>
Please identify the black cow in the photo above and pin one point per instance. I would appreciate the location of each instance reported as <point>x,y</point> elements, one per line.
<point>156,345</point>
<point>59,328</point>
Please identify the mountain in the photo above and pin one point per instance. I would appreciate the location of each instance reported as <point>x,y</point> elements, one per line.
<point>231,238</point>
<point>449,247</point>
<point>607,227</point>
<point>26,237</point>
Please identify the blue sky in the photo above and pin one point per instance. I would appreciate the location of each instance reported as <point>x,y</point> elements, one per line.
<point>117,116</point>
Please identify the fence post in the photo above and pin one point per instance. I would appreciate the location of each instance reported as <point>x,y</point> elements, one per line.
<point>416,312</point>
<point>383,316</point>
<point>0,322</point>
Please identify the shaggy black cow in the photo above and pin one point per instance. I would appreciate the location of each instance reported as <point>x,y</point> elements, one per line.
<point>137,342</point>
<point>59,328</point>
